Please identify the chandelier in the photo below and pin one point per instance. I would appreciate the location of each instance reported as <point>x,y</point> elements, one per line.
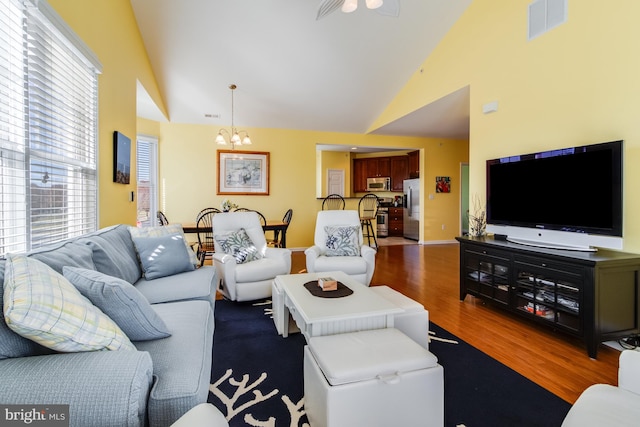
<point>383,7</point>
<point>351,5</point>
<point>233,136</point>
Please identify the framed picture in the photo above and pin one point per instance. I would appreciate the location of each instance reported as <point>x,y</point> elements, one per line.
<point>121,158</point>
<point>243,172</point>
<point>443,184</point>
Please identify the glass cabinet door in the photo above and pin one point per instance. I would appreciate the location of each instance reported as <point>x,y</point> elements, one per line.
<point>550,296</point>
<point>487,276</point>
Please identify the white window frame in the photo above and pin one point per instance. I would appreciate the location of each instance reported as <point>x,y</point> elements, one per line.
<point>48,129</point>
<point>147,181</point>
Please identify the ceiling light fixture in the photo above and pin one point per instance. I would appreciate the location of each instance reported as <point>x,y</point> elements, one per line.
<point>234,135</point>
<point>351,5</point>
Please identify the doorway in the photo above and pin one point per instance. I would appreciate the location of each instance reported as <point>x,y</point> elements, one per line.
<point>335,181</point>
<point>464,199</point>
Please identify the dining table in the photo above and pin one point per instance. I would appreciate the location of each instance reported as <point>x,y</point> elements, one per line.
<point>271,225</point>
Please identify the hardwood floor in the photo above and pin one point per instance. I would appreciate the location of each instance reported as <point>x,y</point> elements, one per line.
<point>429,274</point>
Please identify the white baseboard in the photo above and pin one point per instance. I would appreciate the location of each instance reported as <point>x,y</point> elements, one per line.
<point>437,242</point>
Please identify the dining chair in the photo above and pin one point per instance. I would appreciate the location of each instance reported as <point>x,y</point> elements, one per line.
<point>162,218</point>
<point>205,234</point>
<point>263,220</point>
<point>333,202</point>
<point>276,242</point>
<point>368,209</point>
<point>206,210</point>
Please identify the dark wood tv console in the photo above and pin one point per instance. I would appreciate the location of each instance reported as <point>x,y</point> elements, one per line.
<point>590,295</point>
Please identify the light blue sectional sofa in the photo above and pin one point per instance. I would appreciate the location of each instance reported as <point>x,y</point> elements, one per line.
<point>152,385</point>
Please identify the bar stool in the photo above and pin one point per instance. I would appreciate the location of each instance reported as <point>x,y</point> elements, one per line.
<point>333,202</point>
<point>368,209</point>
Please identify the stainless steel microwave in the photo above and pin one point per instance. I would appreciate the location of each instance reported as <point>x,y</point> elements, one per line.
<point>379,184</point>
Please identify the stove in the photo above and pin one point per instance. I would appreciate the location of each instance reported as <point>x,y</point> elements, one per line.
<point>382,217</point>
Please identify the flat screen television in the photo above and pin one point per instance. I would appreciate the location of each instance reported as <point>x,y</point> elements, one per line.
<point>570,198</point>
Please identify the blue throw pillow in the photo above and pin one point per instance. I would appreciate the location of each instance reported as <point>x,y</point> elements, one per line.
<point>121,301</point>
<point>163,256</point>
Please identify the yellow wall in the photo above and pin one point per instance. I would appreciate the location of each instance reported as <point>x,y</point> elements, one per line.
<point>188,153</point>
<point>339,160</point>
<point>109,28</point>
<point>442,210</point>
<point>576,84</point>
<point>188,173</point>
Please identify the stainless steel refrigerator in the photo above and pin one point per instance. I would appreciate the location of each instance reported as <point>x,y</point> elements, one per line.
<point>411,211</point>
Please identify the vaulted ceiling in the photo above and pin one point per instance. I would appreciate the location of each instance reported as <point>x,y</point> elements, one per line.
<point>334,74</point>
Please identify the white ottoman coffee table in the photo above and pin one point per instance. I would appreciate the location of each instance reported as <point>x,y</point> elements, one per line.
<point>414,319</point>
<point>362,310</point>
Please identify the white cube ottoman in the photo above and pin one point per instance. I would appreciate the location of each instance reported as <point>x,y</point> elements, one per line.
<point>414,322</point>
<point>375,378</point>
<point>279,312</point>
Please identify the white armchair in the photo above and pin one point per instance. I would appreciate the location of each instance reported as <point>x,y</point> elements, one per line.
<point>608,405</point>
<point>359,266</point>
<point>245,271</point>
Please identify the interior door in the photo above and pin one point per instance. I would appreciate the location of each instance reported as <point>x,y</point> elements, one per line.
<point>464,199</point>
<point>335,181</point>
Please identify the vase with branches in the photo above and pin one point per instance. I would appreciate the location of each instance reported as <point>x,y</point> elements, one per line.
<point>477,218</point>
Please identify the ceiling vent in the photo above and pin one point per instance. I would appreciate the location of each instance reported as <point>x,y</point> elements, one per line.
<point>545,15</point>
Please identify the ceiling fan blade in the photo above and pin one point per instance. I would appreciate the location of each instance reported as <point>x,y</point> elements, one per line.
<point>389,8</point>
<point>328,6</point>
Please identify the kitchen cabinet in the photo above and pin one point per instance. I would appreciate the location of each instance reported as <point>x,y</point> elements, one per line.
<point>399,171</point>
<point>395,167</point>
<point>378,167</point>
<point>359,176</point>
<point>414,164</point>
<point>395,222</point>
<point>593,296</point>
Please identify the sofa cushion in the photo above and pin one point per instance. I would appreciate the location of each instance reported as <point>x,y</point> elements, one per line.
<point>342,240</point>
<point>12,344</point>
<point>121,301</point>
<point>103,388</point>
<point>199,284</point>
<point>163,231</point>
<point>238,244</point>
<point>114,253</point>
<point>179,386</point>
<point>40,304</point>
<point>66,253</point>
<point>163,256</point>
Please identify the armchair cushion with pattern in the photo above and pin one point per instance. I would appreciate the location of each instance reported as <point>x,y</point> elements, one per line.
<point>338,246</point>
<point>245,265</point>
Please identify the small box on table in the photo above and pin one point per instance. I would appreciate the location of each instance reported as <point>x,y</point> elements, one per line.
<point>328,284</point>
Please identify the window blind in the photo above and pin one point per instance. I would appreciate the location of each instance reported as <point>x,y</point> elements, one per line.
<point>146,161</point>
<point>48,130</point>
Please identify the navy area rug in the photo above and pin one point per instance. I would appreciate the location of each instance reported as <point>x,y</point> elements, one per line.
<point>256,378</point>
